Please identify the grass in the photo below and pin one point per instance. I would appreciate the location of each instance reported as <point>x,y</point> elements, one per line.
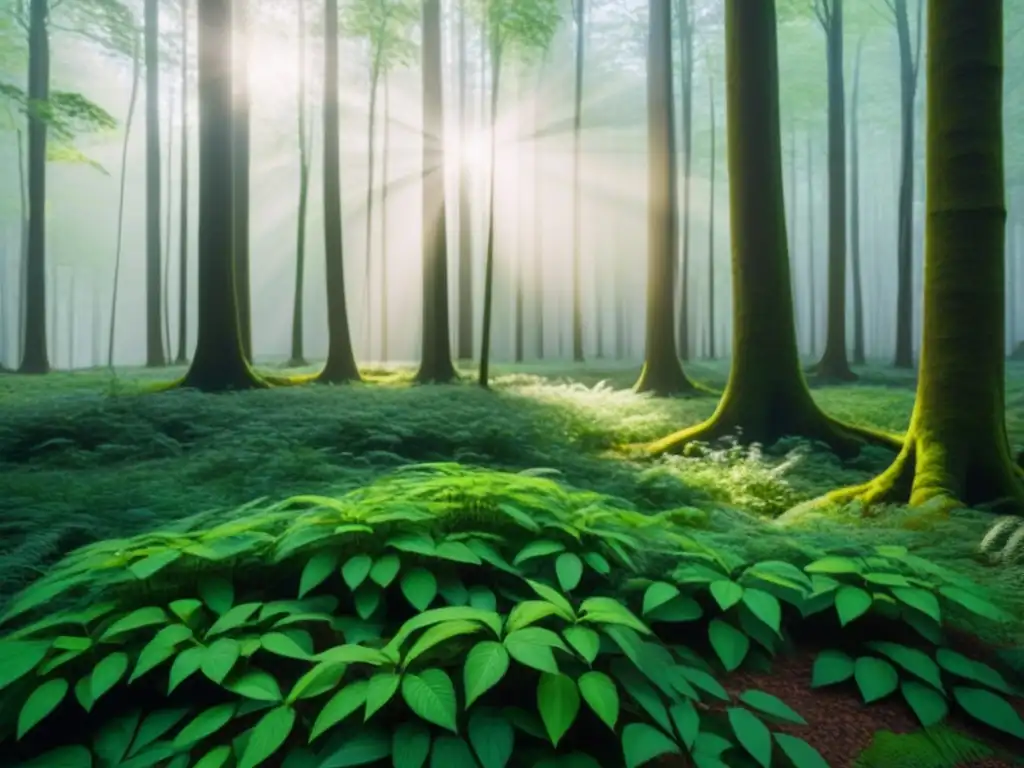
<point>79,464</point>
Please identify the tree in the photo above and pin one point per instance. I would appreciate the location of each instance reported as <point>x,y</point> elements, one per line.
<point>465,280</point>
<point>298,355</point>
<point>956,450</point>
<point>684,33</point>
<point>711,224</point>
<point>341,362</point>
<point>240,175</point>
<point>219,362</point>
<point>855,255</point>
<point>436,363</point>
<point>579,18</point>
<point>766,397</point>
<point>662,373</point>
<point>154,294</point>
<point>182,356</point>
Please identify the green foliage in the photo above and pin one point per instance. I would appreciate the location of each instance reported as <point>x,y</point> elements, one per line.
<point>387,26</point>
<point>522,28</point>
<point>935,747</point>
<point>1004,542</point>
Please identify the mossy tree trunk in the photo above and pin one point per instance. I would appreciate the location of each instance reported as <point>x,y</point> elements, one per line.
<point>662,373</point>
<point>341,362</point>
<point>240,176</point>
<point>436,363</point>
<point>766,397</point>
<point>956,451</point>
<point>219,363</point>
<point>855,260</point>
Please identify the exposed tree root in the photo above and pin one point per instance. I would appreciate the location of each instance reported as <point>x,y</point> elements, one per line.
<point>214,380</point>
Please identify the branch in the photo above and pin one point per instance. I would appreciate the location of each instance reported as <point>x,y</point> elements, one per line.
<point>821,10</point>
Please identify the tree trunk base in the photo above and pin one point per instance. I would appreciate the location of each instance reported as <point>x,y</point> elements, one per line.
<point>296,362</point>
<point>217,378</point>
<point>436,375</point>
<point>669,382</point>
<point>1018,352</point>
<point>924,472</point>
<point>338,373</point>
<point>30,368</point>
<point>832,371</point>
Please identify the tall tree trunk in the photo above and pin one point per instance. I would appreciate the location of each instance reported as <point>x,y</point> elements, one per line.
<point>579,12</point>
<point>834,363</point>
<point>793,209</point>
<point>766,397</point>
<point>182,356</point>
<point>385,156</point>
<point>240,141</point>
<point>22,242</point>
<point>96,334</point>
<point>1011,274</point>
<point>483,376</point>
<point>71,318</point>
<point>465,343</point>
<point>371,161</point>
<point>712,352</point>
<point>34,354</point>
<point>219,362</point>
<point>956,451</point>
<point>169,196</point>
<point>662,373</point>
<point>812,283</point>
<point>909,65</point>
<point>539,283</point>
<point>855,254</point>
<point>155,356</point>
<point>298,352</point>
<point>436,364</point>
<point>132,101</point>
<point>519,295</point>
<point>684,29</point>
<point>341,361</point>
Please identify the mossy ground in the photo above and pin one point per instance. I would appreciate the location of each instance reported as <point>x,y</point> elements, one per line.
<point>89,455</point>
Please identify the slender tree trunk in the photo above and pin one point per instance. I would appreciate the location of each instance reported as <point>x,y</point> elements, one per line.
<point>684,27</point>
<point>132,101</point>
<point>579,11</point>
<point>96,325</point>
<point>155,356</point>
<point>341,361</point>
<point>488,308</point>
<point>662,373</point>
<point>298,353</point>
<point>436,364</point>
<point>22,243</point>
<point>181,358</point>
<point>793,208</point>
<point>712,352</point>
<point>855,252</point>
<point>240,165</point>
<point>519,298</point>
<point>812,283</point>
<point>219,363</point>
<point>371,161</point>
<point>1011,274</point>
<point>384,201</point>
<point>539,283</point>
<point>72,291</point>
<point>465,344</point>
<point>169,197</point>
<point>34,355</point>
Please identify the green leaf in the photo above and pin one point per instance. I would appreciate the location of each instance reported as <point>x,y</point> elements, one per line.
<point>40,703</point>
<point>486,665</point>
<point>149,566</point>
<point>833,564</point>
<point>219,659</point>
<point>558,701</point>
<point>419,587</point>
<point>351,653</point>
<point>875,678</point>
<point>606,610</point>
<point>771,705</point>
<point>381,688</point>
<point>431,696</point>
<point>729,643</point>
<point>641,743</point>
<point>154,726</point>
<point>257,685</point>
<point>451,751</point>
<point>19,657</point>
<point>529,612</point>
<point>921,599</point>
<point>205,724</point>
<point>414,543</point>
<point>341,705</point>
<point>281,644</point>
<point>989,708</point>
<point>765,606</point>
<point>143,617</point>
<point>657,594</point>
<point>483,598</point>
<point>355,570</point>
<point>532,646</point>
<point>538,548</point>
<point>569,570</point>
<point>973,603</point>
<point>887,579</point>
<point>218,593</point>
<point>437,634</point>
<point>831,667</point>
<point>233,618</point>
<point>364,746</point>
<point>555,598</point>
<point>586,642</point>
<point>385,570</point>
<point>185,609</point>
<point>911,659</point>
<point>601,695</point>
<point>752,734</point>
<point>687,722</point>
<point>185,665</point>
<point>62,757</point>
<point>597,562</point>
<point>267,736</point>
<point>799,752</point>
<point>319,680</point>
<point>410,746</point>
<point>928,704</point>
<point>457,552</point>
<point>679,608</point>
<point>492,737</point>
<point>726,593</point>
<point>107,674</point>
<point>215,758</point>
<point>969,669</point>
<point>317,570</point>
<point>851,603</point>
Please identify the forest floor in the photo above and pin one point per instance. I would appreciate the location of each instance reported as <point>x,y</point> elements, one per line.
<point>78,464</point>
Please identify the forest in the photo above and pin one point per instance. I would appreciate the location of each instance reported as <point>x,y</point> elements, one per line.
<point>544,383</point>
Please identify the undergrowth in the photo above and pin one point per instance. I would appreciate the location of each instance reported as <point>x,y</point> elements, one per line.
<point>453,616</point>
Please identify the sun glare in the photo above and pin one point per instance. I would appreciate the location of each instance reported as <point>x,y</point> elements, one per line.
<point>473,150</point>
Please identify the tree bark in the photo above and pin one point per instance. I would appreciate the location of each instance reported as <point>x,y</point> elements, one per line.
<point>155,356</point>
<point>662,373</point>
<point>240,165</point>
<point>181,358</point>
<point>371,158</point>
<point>684,30</point>
<point>855,260</point>
<point>219,363</point>
<point>465,342</point>
<point>297,357</point>
<point>812,283</point>
<point>712,352</point>
<point>385,155</point>
<point>579,14</point>
<point>436,363</point>
<point>341,361</point>
<point>483,376</point>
